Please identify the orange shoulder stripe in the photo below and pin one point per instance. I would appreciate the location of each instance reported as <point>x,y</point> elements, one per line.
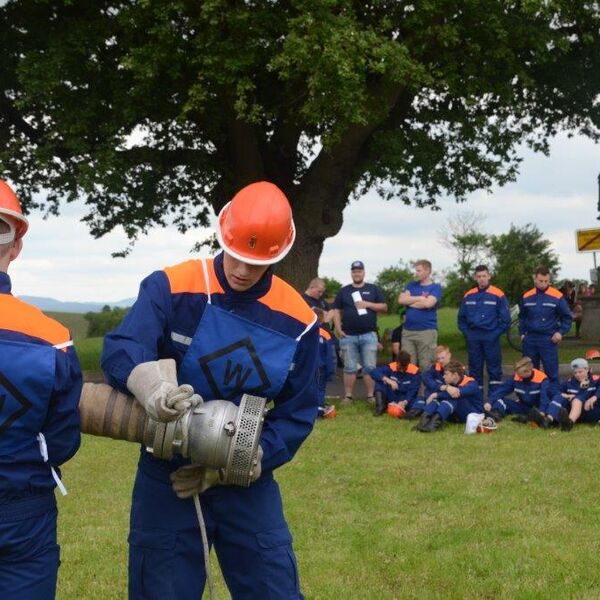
<point>466,379</point>
<point>412,369</point>
<point>471,291</point>
<point>284,298</point>
<point>188,277</point>
<point>495,291</point>
<point>393,366</point>
<point>324,333</point>
<point>18,316</point>
<point>554,293</point>
<point>528,293</point>
<point>538,376</point>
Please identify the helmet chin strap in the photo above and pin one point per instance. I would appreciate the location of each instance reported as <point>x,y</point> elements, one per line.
<point>9,236</point>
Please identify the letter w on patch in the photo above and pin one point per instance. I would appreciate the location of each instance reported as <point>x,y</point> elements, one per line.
<point>235,369</point>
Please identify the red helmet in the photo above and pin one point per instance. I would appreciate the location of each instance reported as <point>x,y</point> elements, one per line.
<point>10,206</point>
<point>256,227</point>
<point>487,425</point>
<point>395,410</point>
<point>592,354</point>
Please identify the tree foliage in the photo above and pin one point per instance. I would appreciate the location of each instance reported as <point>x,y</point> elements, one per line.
<point>332,287</point>
<point>157,111</point>
<point>392,280</point>
<point>516,255</point>
<point>100,323</point>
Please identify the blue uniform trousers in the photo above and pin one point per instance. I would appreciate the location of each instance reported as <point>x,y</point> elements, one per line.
<point>396,396</point>
<point>456,409</point>
<point>506,406</point>
<point>486,351</point>
<point>321,388</point>
<point>556,404</point>
<point>541,348</point>
<point>590,416</point>
<point>246,526</point>
<point>29,554</point>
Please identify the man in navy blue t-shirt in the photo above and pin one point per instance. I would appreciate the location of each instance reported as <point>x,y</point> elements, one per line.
<point>421,298</point>
<point>355,319</point>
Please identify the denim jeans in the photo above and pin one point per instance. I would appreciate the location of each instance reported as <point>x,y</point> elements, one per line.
<point>359,349</point>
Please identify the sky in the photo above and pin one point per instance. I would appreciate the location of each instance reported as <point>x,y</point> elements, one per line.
<point>558,193</point>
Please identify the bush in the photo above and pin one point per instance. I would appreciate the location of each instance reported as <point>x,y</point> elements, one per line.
<point>106,320</point>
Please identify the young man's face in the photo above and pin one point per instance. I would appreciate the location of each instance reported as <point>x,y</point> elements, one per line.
<point>541,282</point>
<point>451,378</point>
<point>581,374</point>
<point>422,273</point>
<point>444,357</point>
<point>525,372</point>
<point>240,275</point>
<point>482,278</point>
<point>358,275</point>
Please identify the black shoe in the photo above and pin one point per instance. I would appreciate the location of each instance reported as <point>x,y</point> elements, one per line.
<point>520,419</point>
<point>413,413</point>
<point>423,422</point>
<point>380,404</point>
<point>435,423</point>
<point>538,418</point>
<point>563,418</point>
<point>496,415</point>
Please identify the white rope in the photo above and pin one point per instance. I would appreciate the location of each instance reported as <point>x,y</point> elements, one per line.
<point>211,585</point>
<point>44,452</point>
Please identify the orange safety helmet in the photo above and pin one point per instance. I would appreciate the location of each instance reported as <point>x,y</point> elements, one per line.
<point>396,411</point>
<point>592,354</point>
<point>10,206</point>
<point>256,227</point>
<point>487,425</point>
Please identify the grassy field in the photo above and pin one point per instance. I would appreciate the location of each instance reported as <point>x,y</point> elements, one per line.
<point>378,511</point>
<point>74,322</point>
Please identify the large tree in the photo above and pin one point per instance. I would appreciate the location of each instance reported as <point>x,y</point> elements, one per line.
<point>157,111</point>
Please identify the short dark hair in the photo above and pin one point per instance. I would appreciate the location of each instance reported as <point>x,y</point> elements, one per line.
<point>480,268</point>
<point>455,367</point>
<point>403,359</point>
<point>542,270</point>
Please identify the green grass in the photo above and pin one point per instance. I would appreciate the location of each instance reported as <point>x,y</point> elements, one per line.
<point>74,322</point>
<point>378,511</point>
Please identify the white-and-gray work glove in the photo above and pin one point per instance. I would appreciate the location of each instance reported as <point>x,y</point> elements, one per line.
<point>155,386</point>
<point>193,479</point>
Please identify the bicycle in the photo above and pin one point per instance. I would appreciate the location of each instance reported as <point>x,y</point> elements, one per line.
<point>512,335</point>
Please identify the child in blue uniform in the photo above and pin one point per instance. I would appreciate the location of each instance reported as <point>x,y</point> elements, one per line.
<point>326,368</point>
<point>397,383</point>
<point>527,389</point>
<point>456,398</point>
<point>40,386</point>
<point>230,326</point>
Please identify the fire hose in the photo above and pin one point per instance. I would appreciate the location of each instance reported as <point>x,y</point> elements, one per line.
<point>216,434</point>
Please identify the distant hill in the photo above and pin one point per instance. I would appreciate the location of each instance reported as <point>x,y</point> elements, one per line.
<point>53,305</point>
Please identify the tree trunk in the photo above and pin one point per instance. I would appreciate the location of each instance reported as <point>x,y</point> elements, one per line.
<point>302,263</point>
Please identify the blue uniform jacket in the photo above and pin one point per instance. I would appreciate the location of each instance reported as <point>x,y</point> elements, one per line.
<point>544,313</point>
<point>166,313</point>
<point>409,381</point>
<point>433,379</point>
<point>572,386</point>
<point>326,354</point>
<point>484,312</point>
<point>469,393</point>
<point>54,412</point>
<point>533,391</point>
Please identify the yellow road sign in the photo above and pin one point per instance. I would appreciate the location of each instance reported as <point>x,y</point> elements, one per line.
<point>588,240</point>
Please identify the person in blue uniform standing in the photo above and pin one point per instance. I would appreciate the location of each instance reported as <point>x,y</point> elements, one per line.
<point>227,326</point>
<point>483,317</point>
<point>544,318</point>
<point>40,386</point>
<point>456,398</point>
<point>397,383</point>
<point>326,365</point>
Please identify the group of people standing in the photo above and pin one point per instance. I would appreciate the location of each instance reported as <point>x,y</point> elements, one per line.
<point>423,381</point>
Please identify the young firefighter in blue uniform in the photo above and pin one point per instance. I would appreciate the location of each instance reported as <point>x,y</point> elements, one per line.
<point>433,380</point>
<point>576,400</point>
<point>544,318</point>
<point>483,317</point>
<point>530,387</point>
<point>231,326</point>
<point>398,382</point>
<point>40,386</point>
<point>326,366</point>
<point>459,396</point>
